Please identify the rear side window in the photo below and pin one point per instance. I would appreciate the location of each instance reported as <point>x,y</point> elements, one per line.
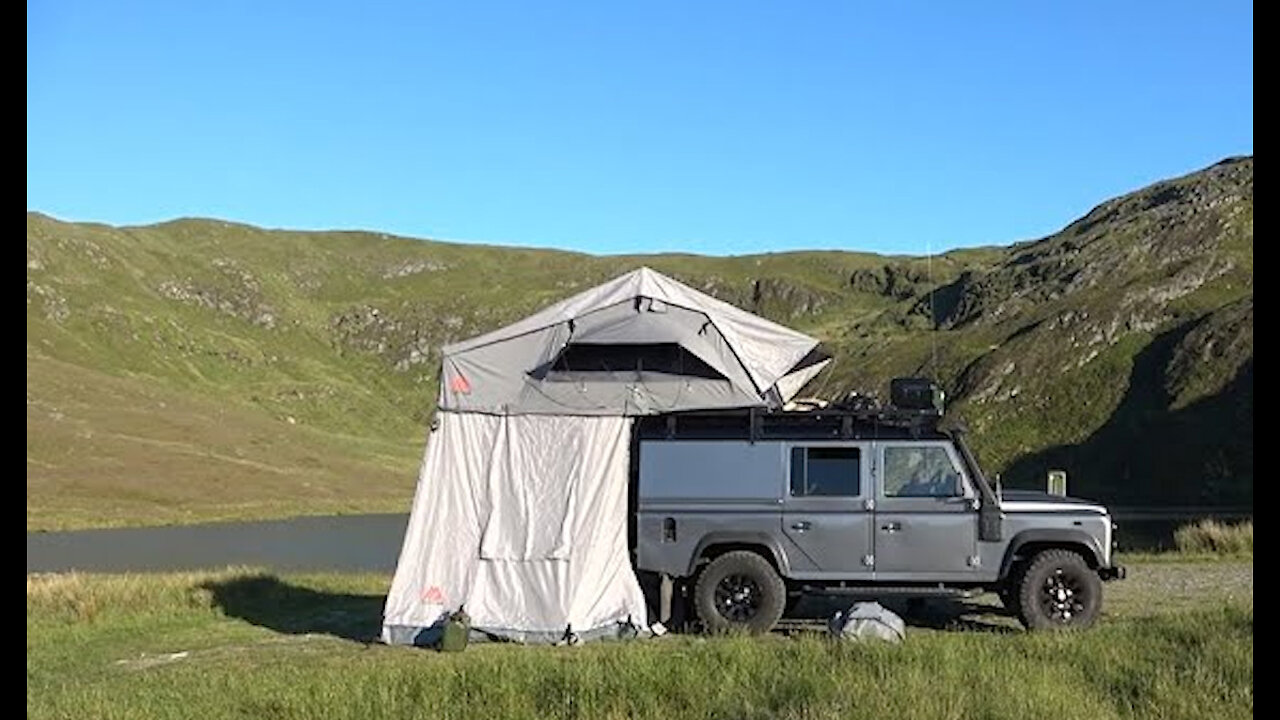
<point>825,472</point>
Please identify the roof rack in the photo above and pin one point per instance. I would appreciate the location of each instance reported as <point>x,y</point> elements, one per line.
<point>758,424</point>
<point>855,417</point>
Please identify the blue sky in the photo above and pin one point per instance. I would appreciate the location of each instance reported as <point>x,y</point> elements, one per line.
<point>709,127</point>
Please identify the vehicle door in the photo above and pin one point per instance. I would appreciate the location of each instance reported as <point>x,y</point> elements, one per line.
<point>926,516</point>
<point>826,508</point>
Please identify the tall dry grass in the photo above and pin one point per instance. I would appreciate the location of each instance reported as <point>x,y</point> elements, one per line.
<point>1211,536</point>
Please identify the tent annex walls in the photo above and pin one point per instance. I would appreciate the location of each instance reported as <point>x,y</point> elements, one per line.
<point>521,508</point>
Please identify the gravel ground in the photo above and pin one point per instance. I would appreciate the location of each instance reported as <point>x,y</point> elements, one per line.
<point>1162,586</point>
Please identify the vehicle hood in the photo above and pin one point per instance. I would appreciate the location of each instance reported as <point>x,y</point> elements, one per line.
<point>1040,501</point>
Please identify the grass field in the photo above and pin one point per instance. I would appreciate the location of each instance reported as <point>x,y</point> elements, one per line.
<point>1175,641</point>
<point>106,451</point>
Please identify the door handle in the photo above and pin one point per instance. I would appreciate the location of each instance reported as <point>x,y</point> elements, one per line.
<point>891,527</point>
<point>801,526</point>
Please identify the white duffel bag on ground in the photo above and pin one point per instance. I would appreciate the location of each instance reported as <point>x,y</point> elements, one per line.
<point>867,620</point>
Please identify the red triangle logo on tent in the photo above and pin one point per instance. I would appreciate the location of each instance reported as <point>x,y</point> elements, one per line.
<point>460,385</point>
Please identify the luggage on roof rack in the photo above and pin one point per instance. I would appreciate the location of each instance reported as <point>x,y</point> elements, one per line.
<point>916,394</point>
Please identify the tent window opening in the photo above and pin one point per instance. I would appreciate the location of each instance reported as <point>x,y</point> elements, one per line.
<point>586,361</point>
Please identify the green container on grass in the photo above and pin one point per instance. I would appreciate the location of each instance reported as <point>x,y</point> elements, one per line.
<point>456,630</point>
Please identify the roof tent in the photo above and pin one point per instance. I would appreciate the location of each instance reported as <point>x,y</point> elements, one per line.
<point>520,513</point>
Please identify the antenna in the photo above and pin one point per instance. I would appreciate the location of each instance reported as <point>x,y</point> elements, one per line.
<point>933,314</point>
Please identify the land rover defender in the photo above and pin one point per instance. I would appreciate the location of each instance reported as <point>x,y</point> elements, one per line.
<point>752,510</point>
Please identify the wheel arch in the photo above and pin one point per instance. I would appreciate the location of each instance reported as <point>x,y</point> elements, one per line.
<point>1028,543</point>
<point>713,545</point>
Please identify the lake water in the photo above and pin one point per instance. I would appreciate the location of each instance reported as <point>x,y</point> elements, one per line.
<point>344,543</point>
<point>369,543</point>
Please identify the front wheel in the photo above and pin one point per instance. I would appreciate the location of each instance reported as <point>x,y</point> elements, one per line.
<point>1059,591</point>
<point>739,590</point>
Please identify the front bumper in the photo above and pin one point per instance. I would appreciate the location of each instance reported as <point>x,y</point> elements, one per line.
<point>1115,572</point>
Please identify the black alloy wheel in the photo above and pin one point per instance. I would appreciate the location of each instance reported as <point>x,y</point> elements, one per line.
<point>739,590</point>
<point>1059,591</point>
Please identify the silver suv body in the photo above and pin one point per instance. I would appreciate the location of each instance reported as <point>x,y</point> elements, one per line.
<point>858,503</point>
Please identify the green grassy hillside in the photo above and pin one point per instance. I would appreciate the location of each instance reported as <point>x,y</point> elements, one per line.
<point>201,369</point>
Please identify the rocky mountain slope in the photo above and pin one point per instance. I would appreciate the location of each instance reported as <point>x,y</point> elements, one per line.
<point>197,369</point>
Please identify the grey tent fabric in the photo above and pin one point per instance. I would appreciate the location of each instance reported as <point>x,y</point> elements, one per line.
<point>791,383</point>
<point>522,520</point>
<point>498,372</point>
<point>520,513</point>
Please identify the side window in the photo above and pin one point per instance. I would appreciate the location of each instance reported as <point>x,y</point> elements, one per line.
<point>825,471</point>
<point>924,471</point>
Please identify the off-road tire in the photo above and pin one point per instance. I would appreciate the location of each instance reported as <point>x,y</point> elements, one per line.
<point>1059,591</point>
<point>739,590</point>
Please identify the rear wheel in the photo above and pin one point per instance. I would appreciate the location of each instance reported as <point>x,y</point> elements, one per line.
<point>739,590</point>
<point>1059,591</point>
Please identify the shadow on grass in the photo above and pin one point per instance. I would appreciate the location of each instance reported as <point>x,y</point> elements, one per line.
<point>940,613</point>
<point>960,614</point>
<point>266,601</point>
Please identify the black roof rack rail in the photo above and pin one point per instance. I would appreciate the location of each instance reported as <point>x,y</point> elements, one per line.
<point>754,424</point>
